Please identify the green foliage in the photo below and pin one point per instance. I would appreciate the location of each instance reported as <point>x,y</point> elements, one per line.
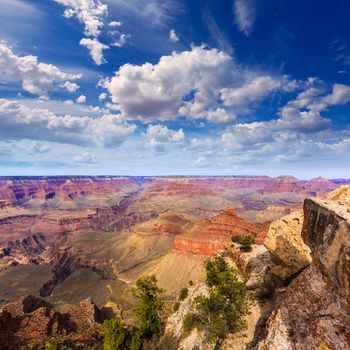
<point>51,345</point>
<point>149,307</point>
<point>236,239</point>
<point>176,306</point>
<point>116,335</point>
<point>190,283</point>
<point>183,294</point>
<point>245,242</point>
<point>223,311</point>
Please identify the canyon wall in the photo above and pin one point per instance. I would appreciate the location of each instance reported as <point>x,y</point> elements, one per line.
<point>314,312</point>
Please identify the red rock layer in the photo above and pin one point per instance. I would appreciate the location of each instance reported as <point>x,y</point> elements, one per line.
<point>62,188</point>
<point>170,228</point>
<point>185,245</point>
<point>177,188</point>
<point>206,236</point>
<point>30,320</point>
<point>64,222</point>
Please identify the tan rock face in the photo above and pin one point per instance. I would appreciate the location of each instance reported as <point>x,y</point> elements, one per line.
<point>286,245</point>
<point>341,195</point>
<point>175,322</point>
<point>327,232</point>
<point>314,312</point>
<point>311,315</point>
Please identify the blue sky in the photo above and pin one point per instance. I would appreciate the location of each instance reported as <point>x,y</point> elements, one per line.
<point>162,87</point>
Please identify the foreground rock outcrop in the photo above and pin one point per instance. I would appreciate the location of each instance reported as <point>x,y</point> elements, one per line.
<point>315,311</point>
<point>30,320</point>
<point>287,247</point>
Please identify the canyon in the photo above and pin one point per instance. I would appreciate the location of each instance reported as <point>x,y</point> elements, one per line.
<point>73,246</point>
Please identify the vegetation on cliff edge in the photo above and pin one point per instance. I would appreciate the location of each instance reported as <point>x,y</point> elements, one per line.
<point>149,307</point>
<point>223,310</point>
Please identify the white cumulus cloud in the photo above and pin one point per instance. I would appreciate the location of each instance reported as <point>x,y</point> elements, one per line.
<point>298,119</point>
<point>21,122</point>
<point>173,36</point>
<point>95,49</point>
<point>90,13</point>
<point>36,77</point>
<point>253,91</point>
<point>81,99</point>
<point>185,83</point>
<point>160,135</point>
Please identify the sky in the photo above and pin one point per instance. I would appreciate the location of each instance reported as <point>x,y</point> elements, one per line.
<point>175,87</point>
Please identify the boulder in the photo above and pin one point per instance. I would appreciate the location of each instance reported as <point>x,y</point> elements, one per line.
<point>287,248</point>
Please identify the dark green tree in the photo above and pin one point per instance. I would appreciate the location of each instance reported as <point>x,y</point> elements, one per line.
<point>246,243</point>
<point>148,310</point>
<point>223,311</point>
<point>116,335</point>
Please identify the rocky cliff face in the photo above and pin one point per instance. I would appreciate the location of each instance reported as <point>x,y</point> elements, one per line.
<point>286,245</point>
<point>314,312</point>
<point>30,320</point>
<point>327,232</point>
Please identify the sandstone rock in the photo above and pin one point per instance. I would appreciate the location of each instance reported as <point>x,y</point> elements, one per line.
<point>312,314</point>
<point>24,305</point>
<point>286,245</point>
<point>320,185</point>
<point>175,322</point>
<point>341,195</point>
<point>278,336</point>
<point>327,232</point>
<point>255,265</point>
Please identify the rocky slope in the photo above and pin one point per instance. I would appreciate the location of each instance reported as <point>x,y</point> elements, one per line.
<point>314,313</point>
<point>30,320</point>
<point>301,283</point>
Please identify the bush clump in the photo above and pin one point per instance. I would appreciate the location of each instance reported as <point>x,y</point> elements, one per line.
<point>223,311</point>
<point>116,335</point>
<point>245,242</point>
<point>182,296</point>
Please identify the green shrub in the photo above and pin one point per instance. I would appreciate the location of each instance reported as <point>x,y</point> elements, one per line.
<point>183,294</point>
<point>223,311</point>
<point>246,243</point>
<point>236,239</point>
<point>149,307</point>
<point>190,283</point>
<point>116,335</point>
<point>176,306</point>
